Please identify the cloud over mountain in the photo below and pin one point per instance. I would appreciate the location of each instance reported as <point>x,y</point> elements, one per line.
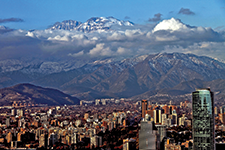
<point>119,39</point>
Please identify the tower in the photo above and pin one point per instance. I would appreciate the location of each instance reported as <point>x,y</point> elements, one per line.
<point>144,106</point>
<point>203,119</point>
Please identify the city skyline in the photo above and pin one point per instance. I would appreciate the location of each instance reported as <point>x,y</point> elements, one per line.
<point>112,74</point>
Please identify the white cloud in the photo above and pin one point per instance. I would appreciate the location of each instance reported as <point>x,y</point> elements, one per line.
<point>133,33</point>
<point>76,54</point>
<point>59,38</point>
<point>31,34</point>
<point>210,49</point>
<point>94,38</point>
<point>121,50</point>
<point>79,36</point>
<point>99,50</point>
<point>116,36</point>
<point>168,36</point>
<point>171,24</point>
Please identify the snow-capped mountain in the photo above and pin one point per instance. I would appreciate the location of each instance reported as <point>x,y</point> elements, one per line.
<point>92,24</point>
<point>123,78</point>
<point>66,25</point>
<point>3,28</point>
<point>161,62</point>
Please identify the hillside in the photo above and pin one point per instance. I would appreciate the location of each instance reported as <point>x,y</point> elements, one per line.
<point>35,94</point>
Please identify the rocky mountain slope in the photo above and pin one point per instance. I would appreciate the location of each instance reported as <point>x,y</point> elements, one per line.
<point>137,77</point>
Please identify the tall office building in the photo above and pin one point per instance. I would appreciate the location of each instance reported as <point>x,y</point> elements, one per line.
<point>144,107</point>
<point>174,117</point>
<point>147,136</point>
<point>158,115</point>
<point>161,134</point>
<point>203,119</point>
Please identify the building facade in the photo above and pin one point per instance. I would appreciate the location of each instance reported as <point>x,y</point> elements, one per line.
<point>144,107</point>
<point>203,119</point>
<point>147,136</point>
<point>158,115</point>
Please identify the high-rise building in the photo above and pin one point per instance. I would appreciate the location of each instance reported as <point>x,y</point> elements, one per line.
<point>7,122</point>
<point>144,106</point>
<point>129,144</point>
<point>95,141</point>
<point>203,119</point>
<point>166,109</point>
<point>147,136</point>
<point>164,118</point>
<point>174,117</point>
<point>161,133</point>
<point>157,116</point>
<point>182,120</point>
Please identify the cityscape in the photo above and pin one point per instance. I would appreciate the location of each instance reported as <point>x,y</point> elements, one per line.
<point>112,75</point>
<point>116,124</point>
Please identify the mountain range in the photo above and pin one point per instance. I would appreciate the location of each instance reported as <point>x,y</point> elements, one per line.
<point>92,24</point>
<point>139,77</point>
<point>107,57</point>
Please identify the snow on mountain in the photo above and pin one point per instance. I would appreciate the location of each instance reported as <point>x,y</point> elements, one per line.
<point>42,67</point>
<point>161,59</point>
<point>140,73</point>
<point>66,25</point>
<point>3,28</point>
<point>92,24</point>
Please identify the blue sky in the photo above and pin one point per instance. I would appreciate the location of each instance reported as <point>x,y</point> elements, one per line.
<point>164,34</point>
<point>39,14</point>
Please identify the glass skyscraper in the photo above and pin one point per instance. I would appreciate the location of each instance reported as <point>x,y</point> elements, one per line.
<point>203,119</point>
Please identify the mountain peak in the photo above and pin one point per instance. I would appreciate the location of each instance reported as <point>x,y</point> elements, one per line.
<point>92,24</point>
<point>66,25</point>
<point>3,28</point>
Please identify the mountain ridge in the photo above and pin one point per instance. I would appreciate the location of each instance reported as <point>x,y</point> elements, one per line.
<point>92,24</point>
<point>35,94</point>
<point>131,77</point>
